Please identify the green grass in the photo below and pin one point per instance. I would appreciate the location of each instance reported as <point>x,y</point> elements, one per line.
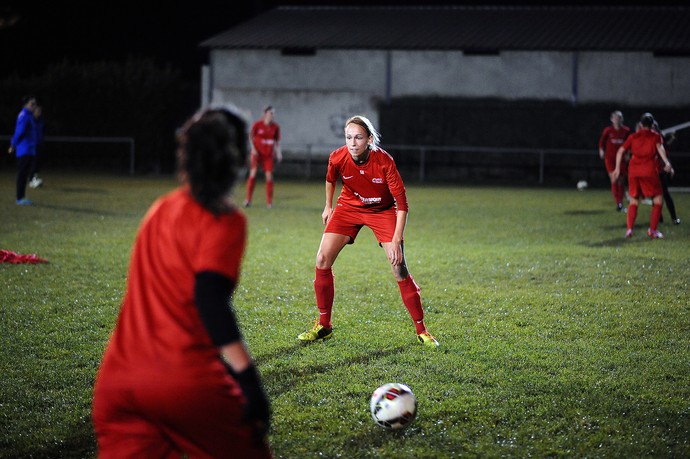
<point>559,338</point>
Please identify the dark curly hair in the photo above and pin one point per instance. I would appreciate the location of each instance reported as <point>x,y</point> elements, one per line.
<point>212,146</point>
<point>647,120</point>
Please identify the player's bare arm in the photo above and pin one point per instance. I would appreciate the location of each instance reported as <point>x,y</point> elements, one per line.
<point>667,164</point>
<point>394,250</point>
<point>619,156</point>
<point>328,208</point>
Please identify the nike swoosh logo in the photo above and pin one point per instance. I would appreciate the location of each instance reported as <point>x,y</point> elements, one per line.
<point>347,177</point>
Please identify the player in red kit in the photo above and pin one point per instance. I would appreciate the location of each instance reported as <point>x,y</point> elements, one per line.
<point>176,379</point>
<point>265,143</point>
<point>643,176</point>
<point>610,141</point>
<point>373,195</point>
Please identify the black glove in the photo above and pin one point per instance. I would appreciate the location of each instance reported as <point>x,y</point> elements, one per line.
<point>257,410</point>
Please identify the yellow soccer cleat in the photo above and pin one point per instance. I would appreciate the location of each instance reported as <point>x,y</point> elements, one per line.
<point>427,340</point>
<point>319,332</point>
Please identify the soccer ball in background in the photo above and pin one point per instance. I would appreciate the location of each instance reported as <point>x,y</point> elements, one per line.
<point>582,185</point>
<point>393,406</point>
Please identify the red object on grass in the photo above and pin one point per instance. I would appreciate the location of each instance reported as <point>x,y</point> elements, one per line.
<point>7,256</point>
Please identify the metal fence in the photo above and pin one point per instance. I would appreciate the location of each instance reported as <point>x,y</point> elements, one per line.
<point>430,163</point>
<point>127,141</point>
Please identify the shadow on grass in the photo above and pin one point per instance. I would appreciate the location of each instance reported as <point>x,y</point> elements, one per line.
<point>639,235</point>
<point>79,210</point>
<point>293,374</point>
<point>81,443</point>
<point>83,190</point>
<point>584,212</point>
<point>617,242</point>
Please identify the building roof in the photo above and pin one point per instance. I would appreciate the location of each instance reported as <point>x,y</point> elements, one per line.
<point>662,29</point>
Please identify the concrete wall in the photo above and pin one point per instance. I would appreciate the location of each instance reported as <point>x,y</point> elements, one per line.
<point>313,95</point>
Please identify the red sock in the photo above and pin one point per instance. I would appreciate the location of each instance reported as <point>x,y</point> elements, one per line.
<point>620,192</point>
<point>632,215</point>
<point>324,288</point>
<point>409,291</point>
<point>269,192</point>
<point>614,192</point>
<point>250,188</point>
<point>656,216</point>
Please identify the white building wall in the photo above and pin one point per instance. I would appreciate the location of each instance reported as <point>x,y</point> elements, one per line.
<point>509,75</point>
<point>313,95</point>
<point>634,78</point>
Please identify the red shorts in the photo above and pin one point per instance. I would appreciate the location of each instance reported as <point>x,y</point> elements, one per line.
<point>348,221</point>
<point>166,417</point>
<point>648,186</point>
<point>611,165</point>
<point>266,162</point>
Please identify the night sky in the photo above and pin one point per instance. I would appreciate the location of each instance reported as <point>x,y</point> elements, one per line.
<point>34,35</point>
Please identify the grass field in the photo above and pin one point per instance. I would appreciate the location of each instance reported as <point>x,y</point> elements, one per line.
<point>559,338</point>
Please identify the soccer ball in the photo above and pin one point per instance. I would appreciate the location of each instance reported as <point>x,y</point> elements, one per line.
<point>582,185</point>
<point>393,406</point>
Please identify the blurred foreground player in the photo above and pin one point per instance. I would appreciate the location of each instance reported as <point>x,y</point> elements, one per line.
<point>643,177</point>
<point>373,195</point>
<point>176,379</point>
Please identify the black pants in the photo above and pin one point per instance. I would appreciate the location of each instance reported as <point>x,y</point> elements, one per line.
<point>24,164</point>
<point>667,196</point>
<point>33,170</point>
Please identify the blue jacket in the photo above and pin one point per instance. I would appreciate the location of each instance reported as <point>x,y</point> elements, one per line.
<point>24,139</point>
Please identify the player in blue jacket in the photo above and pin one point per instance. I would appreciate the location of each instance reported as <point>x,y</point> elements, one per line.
<point>23,144</point>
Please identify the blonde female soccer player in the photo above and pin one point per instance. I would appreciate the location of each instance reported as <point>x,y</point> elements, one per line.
<point>373,195</point>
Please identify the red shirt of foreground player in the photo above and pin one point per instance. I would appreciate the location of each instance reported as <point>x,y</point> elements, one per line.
<point>176,378</point>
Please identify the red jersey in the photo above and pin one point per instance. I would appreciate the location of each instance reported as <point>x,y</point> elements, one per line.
<point>611,139</point>
<point>642,146</point>
<point>159,332</point>
<point>374,185</point>
<point>264,137</point>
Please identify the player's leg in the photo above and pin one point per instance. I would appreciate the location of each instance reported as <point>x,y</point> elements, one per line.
<point>251,181</point>
<point>616,187</point>
<point>383,226</point>
<point>133,437</point>
<point>267,163</point>
<point>269,189</point>
<point>657,206</point>
<point>23,166</point>
<point>633,190</point>
<point>204,421</point>
<point>324,285</point>
<point>668,200</point>
<point>342,229</point>
<point>619,193</point>
<point>35,181</point>
<point>651,186</point>
<point>121,431</point>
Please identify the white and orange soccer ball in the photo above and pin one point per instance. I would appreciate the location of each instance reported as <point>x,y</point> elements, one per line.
<point>582,185</point>
<point>393,406</point>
